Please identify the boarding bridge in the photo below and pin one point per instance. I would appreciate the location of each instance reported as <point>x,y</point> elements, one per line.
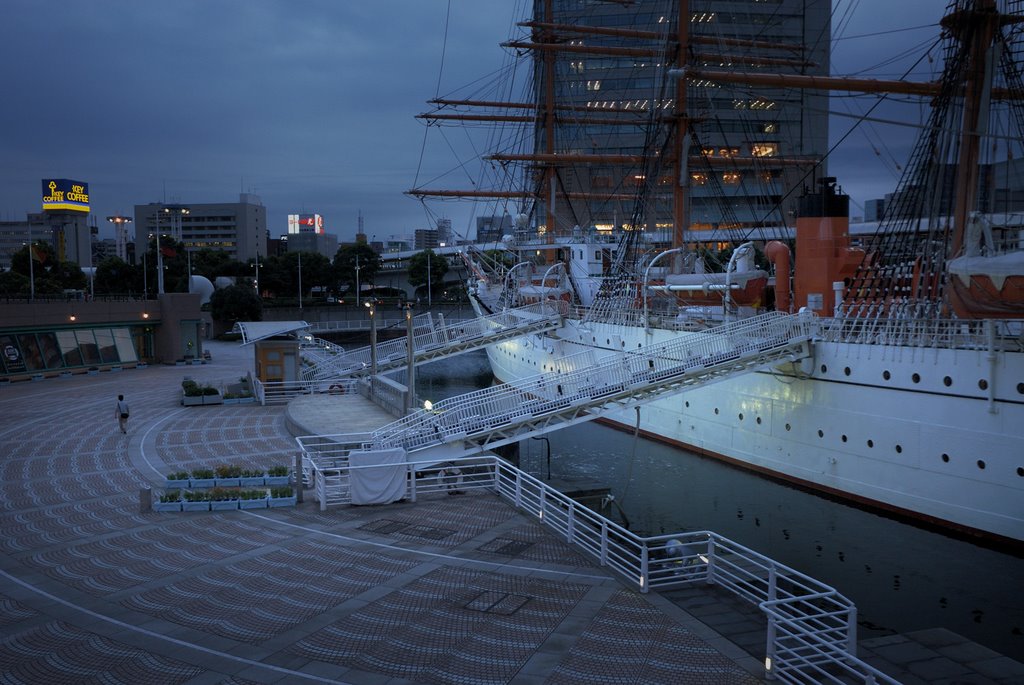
<point>580,389</point>
<point>432,339</point>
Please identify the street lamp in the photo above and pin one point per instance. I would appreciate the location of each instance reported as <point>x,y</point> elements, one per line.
<point>373,338</point>
<point>176,212</point>
<point>120,234</point>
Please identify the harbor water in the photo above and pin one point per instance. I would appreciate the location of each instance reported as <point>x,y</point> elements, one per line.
<point>900,576</point>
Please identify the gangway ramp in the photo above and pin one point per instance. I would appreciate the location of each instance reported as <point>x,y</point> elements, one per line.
<point>581,389</point>
<point>432,339</point>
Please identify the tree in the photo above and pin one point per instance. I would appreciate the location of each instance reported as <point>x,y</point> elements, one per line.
<point>316,270</point>
<point>236,303</point>
<point>13,283</point>
<point>346,259</point>
<point>51,276</point>
<point>113,275</point>
<point>418,265</point>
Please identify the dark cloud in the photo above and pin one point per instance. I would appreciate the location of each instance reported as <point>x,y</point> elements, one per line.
<point>311,105</point>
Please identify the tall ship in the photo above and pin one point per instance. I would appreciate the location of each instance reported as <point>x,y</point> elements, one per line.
<point>699,194</point>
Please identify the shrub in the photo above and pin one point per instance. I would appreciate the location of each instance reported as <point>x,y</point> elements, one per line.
<point>228,471</point>
<point>207,390</point>
<point>277,471</point>
<point>171,496</point>
<point>202,473</point>
<point>178,475</point>
<point>197,496</point>
<point>282,492</point>
<point>223,495</point>
<point>251,473</point>
<point>252,494</point>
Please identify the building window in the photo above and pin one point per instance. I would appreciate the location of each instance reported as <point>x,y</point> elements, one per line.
<point>731,178</point>
<point>764,149</point>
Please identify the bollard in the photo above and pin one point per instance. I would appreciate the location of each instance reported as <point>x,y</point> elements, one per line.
<point>299,485</point>
<point>145,500</point>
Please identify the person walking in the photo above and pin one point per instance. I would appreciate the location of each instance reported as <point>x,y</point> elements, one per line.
<point>121,412</point>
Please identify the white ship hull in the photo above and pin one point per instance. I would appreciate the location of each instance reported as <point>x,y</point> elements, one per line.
<point>906,429</point>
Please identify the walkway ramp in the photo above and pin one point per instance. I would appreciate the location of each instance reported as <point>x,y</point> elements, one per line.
<point>432,339</point>
<point>580,389</point>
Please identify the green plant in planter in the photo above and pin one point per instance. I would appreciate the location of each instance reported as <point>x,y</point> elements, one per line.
<point>196,496</point>
<point>252,494</point>
<point>251,473</point>
<point>277,471</point>
<point>222,495</point>
<point>171,496</point>
<point>202,474</point>
<point>178,475</point>
<point>191,388</point>
<point>279,493</point>
<point>207,390</point>
<point>228,471</point>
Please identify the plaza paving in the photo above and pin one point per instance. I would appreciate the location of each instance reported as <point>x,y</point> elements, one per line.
<point>446,590</point>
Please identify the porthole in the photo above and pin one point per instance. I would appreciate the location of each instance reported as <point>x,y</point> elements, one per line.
<point>623,343</point>
<point>947,381</point>
<point>1020,388</point>
<point>871,443</point>
<point>981,464</point>
<point>945,458</point>
<point>1020,471</point>
<point>899,449</point>
<point>843,438</point>
<point>759,420</point>
<point>741,416</point>
<point>607,341</point>
<point>916,378</point>
<point>983,384</point>
<point>716,411</point>
<point>821,433</point>
<point>824,369</point>
<point>687,404</point>
<point>788,427</point>
<point>886,375</point>
<point>846,371</point>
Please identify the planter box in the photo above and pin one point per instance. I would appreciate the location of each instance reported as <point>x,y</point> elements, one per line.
<point>275,502</point>
<point>252,503</point>
<point>224,505</point>
<point>195,506</point>
<point>192,401</point>
<point>276,480</point>
<point>230,400</point>
<point>116,368</point>
<point>247,400</point>
<point>176,484</point>
<point>166,506</point>
<point>202,482</point>
<point>226,482</point>
<point>251,482</point>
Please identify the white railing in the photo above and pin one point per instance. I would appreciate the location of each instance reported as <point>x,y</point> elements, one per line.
<point>812,628</point>
<point>867,329</point>
<point>276,392</point>
<point>585,382</point>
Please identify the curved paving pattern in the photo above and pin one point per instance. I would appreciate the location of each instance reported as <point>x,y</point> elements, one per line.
<point>446,590</point>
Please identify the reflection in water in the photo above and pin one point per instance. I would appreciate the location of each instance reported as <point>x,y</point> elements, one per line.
<point>902,578</point>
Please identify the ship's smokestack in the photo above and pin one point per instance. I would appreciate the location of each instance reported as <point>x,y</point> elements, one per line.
<point>823,252</point>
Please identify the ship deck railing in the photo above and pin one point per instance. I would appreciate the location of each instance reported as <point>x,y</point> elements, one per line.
<point>811,628</point>
<point>432,338</point>
<point>867,327</point>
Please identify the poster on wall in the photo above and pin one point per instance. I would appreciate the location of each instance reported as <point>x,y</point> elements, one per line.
<point>10,353</point>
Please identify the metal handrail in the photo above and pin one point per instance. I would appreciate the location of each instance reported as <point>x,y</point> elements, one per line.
<point>811,626</point>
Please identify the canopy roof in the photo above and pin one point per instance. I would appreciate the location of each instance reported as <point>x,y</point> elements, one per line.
<point>261,330</point>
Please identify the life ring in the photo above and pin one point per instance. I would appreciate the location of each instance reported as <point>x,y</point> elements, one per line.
<point>337,386</point>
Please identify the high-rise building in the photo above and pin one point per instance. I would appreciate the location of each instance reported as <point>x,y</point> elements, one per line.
<point>238,228</point>
<point>746,146</point>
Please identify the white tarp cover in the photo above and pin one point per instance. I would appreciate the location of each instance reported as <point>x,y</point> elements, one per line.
<point>998,268</point>
<point>261,330</point>
<point>739,278</point>
<point>383,482</point>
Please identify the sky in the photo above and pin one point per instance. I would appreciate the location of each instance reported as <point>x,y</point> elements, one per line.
<point>311,104</point>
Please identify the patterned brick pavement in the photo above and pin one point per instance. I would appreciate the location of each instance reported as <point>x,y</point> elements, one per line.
<point>447,590</point>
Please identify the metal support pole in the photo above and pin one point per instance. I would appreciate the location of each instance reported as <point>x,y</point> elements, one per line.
<point>299,487</point>
<point>411,372</point>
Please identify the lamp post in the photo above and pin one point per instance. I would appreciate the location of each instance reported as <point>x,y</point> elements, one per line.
<point>120,233</point>
<point>357,280</point>
<point>410,356</point>
<point>373,338</point>
<point>176,212</point>
<point>430,301</point>
<point>643,292</point>
<point>159,257</point>
<point>300,281</point>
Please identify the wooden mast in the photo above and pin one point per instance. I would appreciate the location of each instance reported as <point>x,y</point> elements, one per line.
<point>680,189</point>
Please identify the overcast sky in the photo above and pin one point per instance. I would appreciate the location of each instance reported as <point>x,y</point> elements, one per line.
<point>310,104</point>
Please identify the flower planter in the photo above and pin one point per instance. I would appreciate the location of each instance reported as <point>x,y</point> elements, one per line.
<point>202,482</point>
<point>276,480</point>
<point>192,401</point>
<point>224,505</point>
<point>226,482</point>
<point>230,400</point>
<point>247,400</point>
<point>275,502</point>
<point>176,484</point>
<point>251,482</point>
<point>252,503</point>
<point>195,506</point>
<point>168,506</point>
